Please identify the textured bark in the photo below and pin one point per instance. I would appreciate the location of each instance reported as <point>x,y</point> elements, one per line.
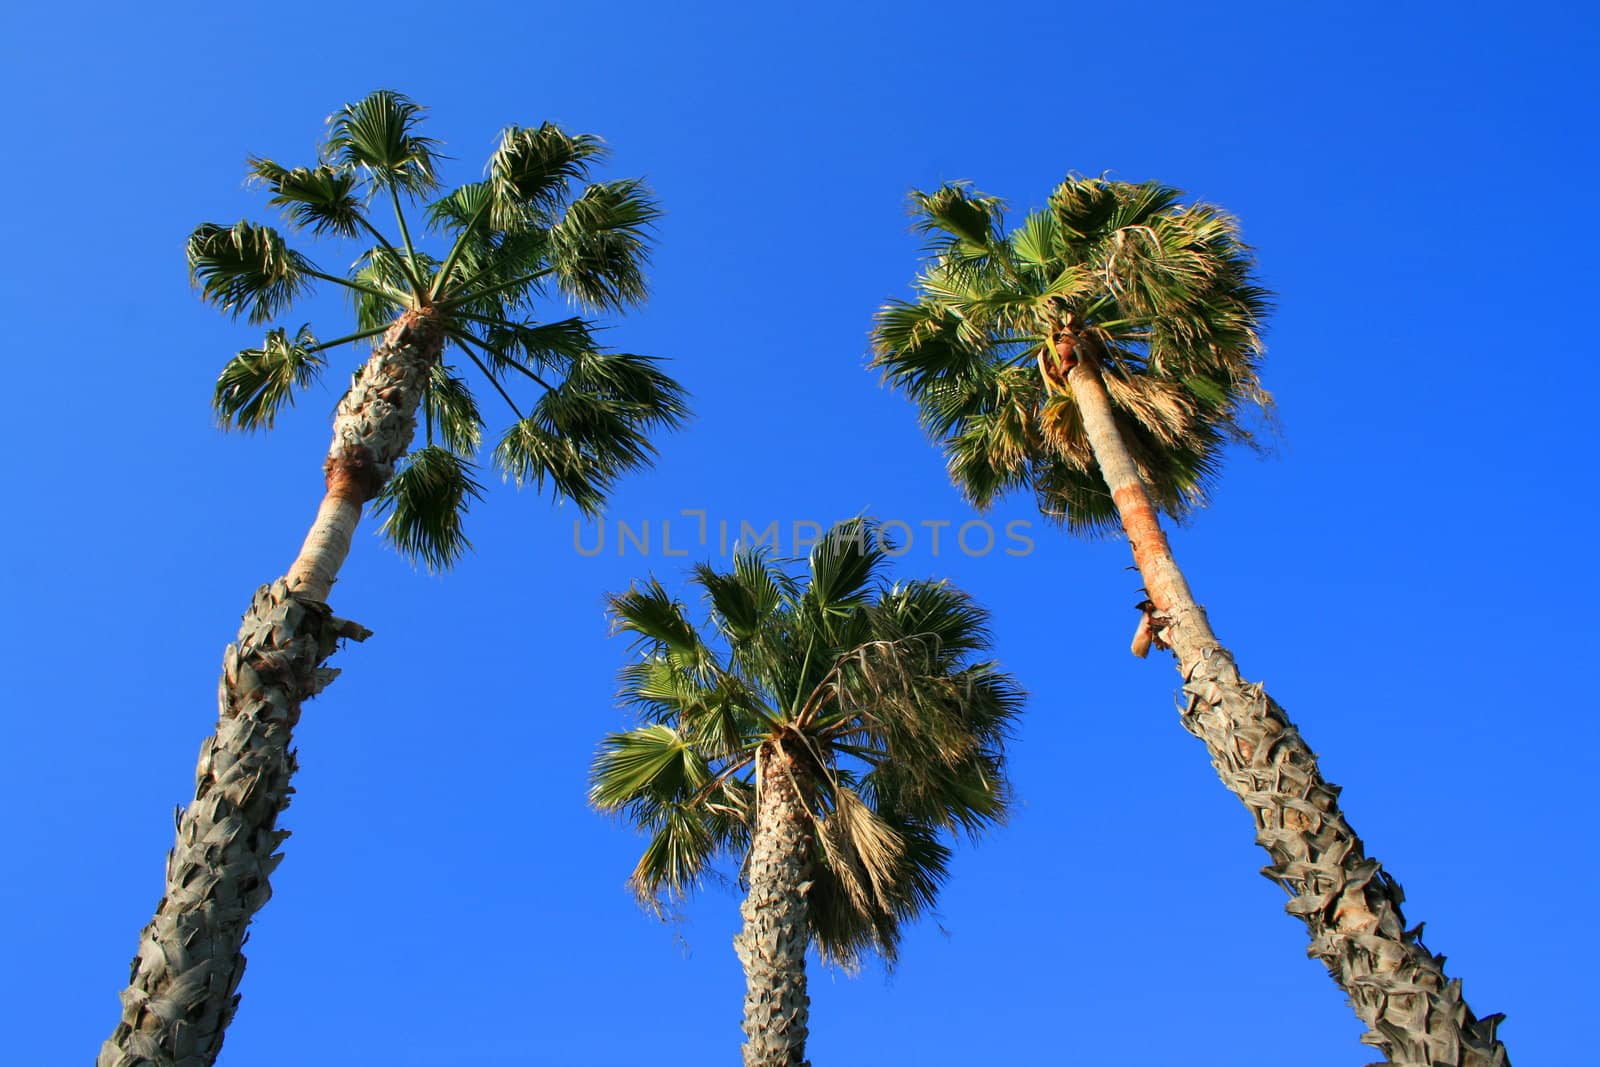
<point>1350,905</point>
<point>371,430</point>
<point>772,945</point>
<point>182,991</point>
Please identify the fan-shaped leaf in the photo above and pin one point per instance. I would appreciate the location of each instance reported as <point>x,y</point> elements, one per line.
<point>246,269</point>
<point>424,506</point>
<point>257,382</point>
<point>322,199</point>
<point>377,134</point>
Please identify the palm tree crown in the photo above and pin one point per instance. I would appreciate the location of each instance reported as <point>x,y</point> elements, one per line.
<point>532,227</point>
<point>1162,295</point>
<point>878,692</point>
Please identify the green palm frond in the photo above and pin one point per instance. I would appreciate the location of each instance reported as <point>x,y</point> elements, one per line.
<point>449,406</point>
<point>531,171</point>
<point>540,346</point>
<point>462,206</point>
<point>601,245</point>
<point>424,507</point>
<point>257,382</point>
<point>246,269</point>
<point>377,135</point>
<point>385,287</point>
<point>587,432</point>
<point>680,850</point>
<point>654,762</point>
<point>322,199</point>
<point>650,612</point>
<point>843,565</point>
<point>970,222</point>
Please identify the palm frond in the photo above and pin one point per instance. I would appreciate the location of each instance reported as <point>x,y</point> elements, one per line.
<point>385,287</point>
<point>258,382</point>
<point>377,135</point>
<point>654,763</point>
<point>450,406</point>
<point>322,199</point>
<point>601,245</point>
<point>843,565</point>
<point>455,211</point>
<point>649,611</point>
<point>531,171</point>
<point>586,433</point>
<point>424,507</point>
<point>681,848</point>
<point>955,211</point>
<point>246,269</point>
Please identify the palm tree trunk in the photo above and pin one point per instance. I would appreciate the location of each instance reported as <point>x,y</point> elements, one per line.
<point>1350,905</point>
<point>772,945</point>
<point>181,995</point>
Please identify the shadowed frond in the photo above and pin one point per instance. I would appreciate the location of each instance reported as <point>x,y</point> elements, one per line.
<point>424,506</point>
<point>540,346</point>
<point>601,245</point>
<point>377,135</point>
<point>321,199</point>
<point>386,287</point>
<point>955,211</point>
<point>450,408</point>
<point>257,382</point>
<point>586,433</point>
<point>246,269</point>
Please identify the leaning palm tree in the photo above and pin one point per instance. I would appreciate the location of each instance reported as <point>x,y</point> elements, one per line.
<point>827,737</point>
<point>1102,354</point>
<point>534,227</point>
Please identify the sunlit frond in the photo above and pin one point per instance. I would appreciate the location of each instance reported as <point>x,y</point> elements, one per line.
<point>654,762</point>
<point>246,269</point>
<point>453,212</point>
<point>377,135</point>
<point>531,171</point>
<point>386,287</point>
<point>650,612</point>
<point>257,382</point>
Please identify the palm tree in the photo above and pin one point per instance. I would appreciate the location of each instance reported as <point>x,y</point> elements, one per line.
<point>533,227</point>
<point>827,736</point>
<point>1102,354</point>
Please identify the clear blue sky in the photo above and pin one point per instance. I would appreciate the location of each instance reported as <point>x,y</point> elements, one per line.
<point>1409,574</point>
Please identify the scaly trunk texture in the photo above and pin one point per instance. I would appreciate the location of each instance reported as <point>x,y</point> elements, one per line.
<point>1350,905</point>
<point>772,945</point>
<point>182,992</point>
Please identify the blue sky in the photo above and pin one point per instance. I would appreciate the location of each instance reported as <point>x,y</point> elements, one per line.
<point>1408,572</point>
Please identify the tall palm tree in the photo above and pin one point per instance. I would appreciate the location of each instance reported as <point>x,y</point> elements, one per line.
<point>1102,354</point>
<point>827,736</point>
<point>534,227</point>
